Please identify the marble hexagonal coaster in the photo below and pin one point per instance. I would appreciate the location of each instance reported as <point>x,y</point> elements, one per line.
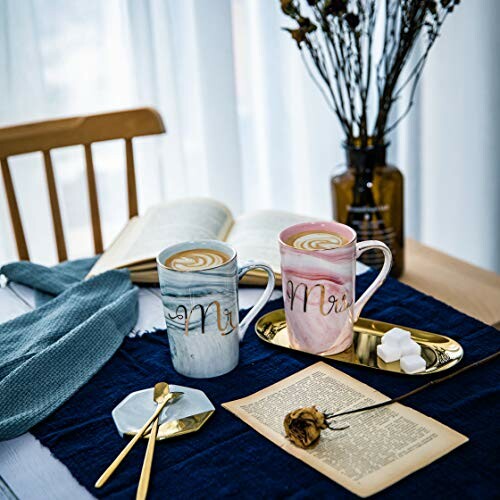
<point>188,414</point>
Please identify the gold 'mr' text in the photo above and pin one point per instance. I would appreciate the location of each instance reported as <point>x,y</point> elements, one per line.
<point>225,323</point>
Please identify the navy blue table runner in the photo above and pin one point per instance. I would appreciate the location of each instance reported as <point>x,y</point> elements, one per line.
<point>228,458</point>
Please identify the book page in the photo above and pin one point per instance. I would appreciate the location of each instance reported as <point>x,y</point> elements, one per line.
<point>164,225</point>
<point>255,235</point>
<point>378,449</point>
<point>125,239</point>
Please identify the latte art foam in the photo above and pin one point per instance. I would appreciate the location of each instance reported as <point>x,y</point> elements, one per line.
<point>316,240</point>
<point>196,259</point>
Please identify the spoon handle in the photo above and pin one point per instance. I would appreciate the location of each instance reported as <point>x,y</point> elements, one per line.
<point>118,460</point>
<point>142,489</point>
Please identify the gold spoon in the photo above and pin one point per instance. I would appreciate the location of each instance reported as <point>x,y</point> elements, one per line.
<point>162,395</point>
<point>142,489</point>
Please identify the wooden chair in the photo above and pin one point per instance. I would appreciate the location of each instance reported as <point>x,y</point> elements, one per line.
<point>82,130</point>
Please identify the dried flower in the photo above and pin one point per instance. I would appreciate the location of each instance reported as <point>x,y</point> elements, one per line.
<point>303,426</point>
<point>306,25</point>
<point>358,89</point>
<point>449,3</point>
<point>289,8</point>
<point>352,20</point>
<point>334,7</point>
<point>431,6</point>
<point>297,34</point>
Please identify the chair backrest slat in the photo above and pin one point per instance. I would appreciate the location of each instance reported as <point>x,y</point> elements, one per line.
<point>15,217</point>
<point>83,130</point>
<point>93,201</point>
<point>53,134</point>
<point>54,207</point>
<point>131,184</point>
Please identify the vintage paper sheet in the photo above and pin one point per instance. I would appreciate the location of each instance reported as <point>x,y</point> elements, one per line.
<point>379,448</point>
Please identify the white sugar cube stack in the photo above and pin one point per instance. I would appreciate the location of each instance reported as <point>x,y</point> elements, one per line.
<point>398,345</point>
<point>389,352</point>
<point>410,348</point>
<point>412,364</point>
<point>396,336</point>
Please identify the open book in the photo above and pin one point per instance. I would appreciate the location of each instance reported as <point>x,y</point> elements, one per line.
<point>254,235</point>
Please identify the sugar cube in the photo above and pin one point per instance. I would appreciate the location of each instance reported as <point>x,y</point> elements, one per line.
<point>388,352</point>
<point>412,364</point>
<point>396,336</point>
<point>409,347</point>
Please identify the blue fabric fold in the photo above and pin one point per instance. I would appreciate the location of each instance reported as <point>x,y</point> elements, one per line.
<point>47,354</point>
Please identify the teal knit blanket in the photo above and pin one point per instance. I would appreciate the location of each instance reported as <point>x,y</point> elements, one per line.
<point>47,354</point>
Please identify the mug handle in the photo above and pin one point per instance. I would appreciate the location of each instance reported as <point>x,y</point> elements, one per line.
<point>248,266</point>
<point>362,247</point>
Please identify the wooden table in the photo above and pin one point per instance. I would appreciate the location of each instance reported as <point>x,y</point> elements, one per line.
<point>465,287</point>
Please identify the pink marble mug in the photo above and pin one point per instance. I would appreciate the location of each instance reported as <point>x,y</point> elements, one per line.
<point>318,287</point>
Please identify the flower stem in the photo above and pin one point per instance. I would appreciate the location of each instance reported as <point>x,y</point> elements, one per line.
<point>415,391</point>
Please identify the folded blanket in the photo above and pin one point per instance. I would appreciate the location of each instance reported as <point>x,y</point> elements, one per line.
<point>47,354</point>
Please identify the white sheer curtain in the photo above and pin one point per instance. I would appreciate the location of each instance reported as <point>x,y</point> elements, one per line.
<point>245,123</point>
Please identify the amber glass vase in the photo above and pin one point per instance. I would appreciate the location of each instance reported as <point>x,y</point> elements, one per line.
<point>367,195</point>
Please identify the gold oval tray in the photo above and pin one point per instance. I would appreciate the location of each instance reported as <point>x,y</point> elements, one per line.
<point>440,352</point>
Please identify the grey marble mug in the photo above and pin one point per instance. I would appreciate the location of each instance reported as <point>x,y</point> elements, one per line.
<point>201,309</point>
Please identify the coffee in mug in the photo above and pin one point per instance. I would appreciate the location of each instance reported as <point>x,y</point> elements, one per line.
<point>318,271</point>
<point>196,259</point>
<point>316,240</point>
